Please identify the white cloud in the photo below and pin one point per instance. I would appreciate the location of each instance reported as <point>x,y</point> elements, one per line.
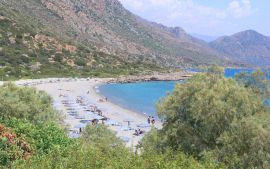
<point>239,9</point>
<point>189,12</point>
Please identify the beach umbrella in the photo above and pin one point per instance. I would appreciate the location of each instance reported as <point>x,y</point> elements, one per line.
<point>128,120</point>
<point>125,128</point>
<point>86,121</point>
<point>92,115</point>
<point>98,117</point>
<point>144,125</point>
<point>104,119</point>
<point>76,107</point>
<point>80,125</point>
<point>79,117</point>
<point>112,123</point>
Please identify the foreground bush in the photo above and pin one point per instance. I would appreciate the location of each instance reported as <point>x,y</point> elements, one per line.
<point>26,103</point>
<point>12,147</point>
<point>99,148</point>
<point>43,136</point>
<point>28,125</point>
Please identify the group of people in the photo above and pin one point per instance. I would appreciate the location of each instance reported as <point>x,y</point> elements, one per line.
<point>138,132</point>
<point>151,120</point>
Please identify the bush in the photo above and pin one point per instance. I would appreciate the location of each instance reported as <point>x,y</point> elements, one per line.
<point>245,145</point>
<point>12,147</point>
<point>43,136</point>
<point>26,103</point>
<point>199,110</point>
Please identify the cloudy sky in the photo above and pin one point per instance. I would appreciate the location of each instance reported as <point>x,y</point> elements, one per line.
<point>206,17</point>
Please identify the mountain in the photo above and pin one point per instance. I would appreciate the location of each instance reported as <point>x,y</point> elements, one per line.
<point>205,38</point>
<point>28,51</point>
<point>106,26</point>
<point>248,46</point>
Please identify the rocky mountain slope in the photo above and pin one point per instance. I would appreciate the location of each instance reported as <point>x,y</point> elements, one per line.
<point>106,26</point>
<point>248,46</point>
<point>29,52</point>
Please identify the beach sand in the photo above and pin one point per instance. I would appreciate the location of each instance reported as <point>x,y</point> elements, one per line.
<point>89,89</point>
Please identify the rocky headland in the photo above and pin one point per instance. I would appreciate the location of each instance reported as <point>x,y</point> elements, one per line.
<point>172,76</point>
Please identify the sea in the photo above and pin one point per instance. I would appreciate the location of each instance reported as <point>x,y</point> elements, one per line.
<point>142,97</point>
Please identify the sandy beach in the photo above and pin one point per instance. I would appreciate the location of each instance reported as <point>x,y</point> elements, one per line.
<point>62,90</point>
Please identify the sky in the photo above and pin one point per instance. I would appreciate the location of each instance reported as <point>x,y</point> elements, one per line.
<point>206,17</point>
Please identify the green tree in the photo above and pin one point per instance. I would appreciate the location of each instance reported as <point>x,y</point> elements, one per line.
<point>245,145</point>
<point>42,136</point>
<point>257,81</point>
<point>199,110</point>
<point>26,103</point>
<point>12,147</point>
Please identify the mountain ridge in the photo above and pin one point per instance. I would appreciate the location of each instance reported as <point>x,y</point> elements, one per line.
<point>248,46</point>
<point>107,26</point>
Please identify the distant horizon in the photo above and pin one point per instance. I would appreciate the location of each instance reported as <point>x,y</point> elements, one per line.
<point>206,18</point>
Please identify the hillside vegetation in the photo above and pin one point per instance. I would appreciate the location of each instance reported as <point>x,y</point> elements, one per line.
<point>27,53</point>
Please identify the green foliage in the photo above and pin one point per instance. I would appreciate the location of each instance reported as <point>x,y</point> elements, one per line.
<point>80,62</point>
<point>12,147</point>
<point>202,108</point>
<point>152,142</point>
<point>245,145</point>
<point>218,119</point>
<point>32,122</point>
<point>257,81</point>
<point>26,103</point>
<point>43,136</point>
<point>99,135</point>
<point>99,148</point>
<point>216,70</point>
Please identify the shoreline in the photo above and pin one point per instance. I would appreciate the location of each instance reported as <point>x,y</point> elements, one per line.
<point>100,96</point>
<point>86,88</point>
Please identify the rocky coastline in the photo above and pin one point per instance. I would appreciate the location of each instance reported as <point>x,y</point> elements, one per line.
<point>173,76</point>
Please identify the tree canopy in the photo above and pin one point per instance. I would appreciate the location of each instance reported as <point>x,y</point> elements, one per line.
<point>208,113</point>
<point>26,103</point>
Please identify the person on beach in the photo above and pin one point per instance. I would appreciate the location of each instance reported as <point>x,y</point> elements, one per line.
<point>153,120</point>
<point>136,133</point>
<point>149,119</point>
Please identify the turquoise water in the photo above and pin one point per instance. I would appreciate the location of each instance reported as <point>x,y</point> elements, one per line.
<point>142,97</point>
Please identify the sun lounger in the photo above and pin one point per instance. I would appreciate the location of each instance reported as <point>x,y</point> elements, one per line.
<point>112,123</point>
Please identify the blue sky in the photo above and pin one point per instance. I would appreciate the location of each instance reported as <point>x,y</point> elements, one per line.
<point>206,17</point>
